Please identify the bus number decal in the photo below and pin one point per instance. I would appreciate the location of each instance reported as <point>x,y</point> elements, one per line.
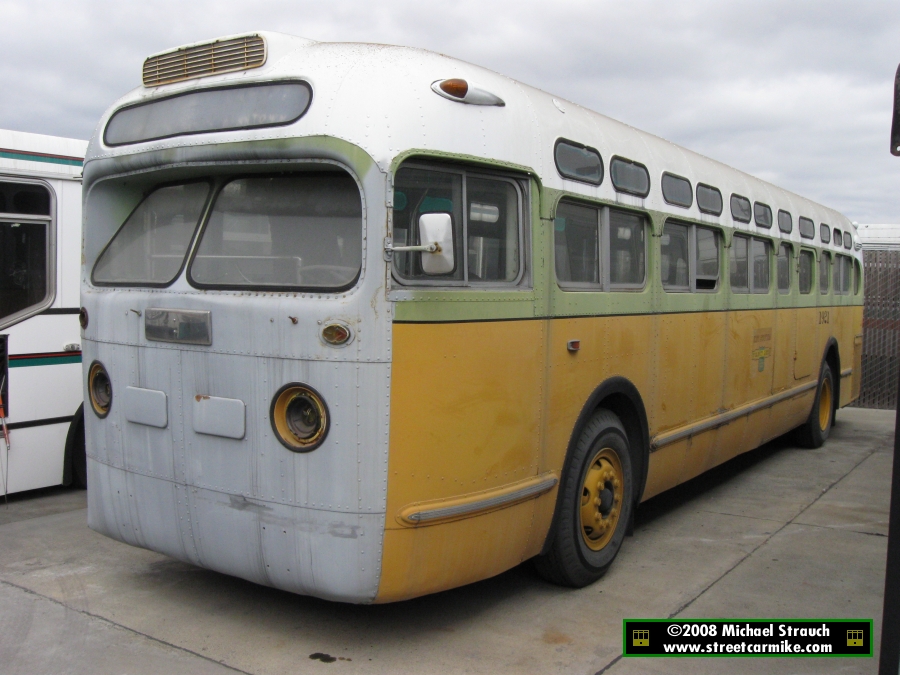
<point>823,317</point>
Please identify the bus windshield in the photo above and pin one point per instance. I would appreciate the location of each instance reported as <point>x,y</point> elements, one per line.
<point>288,231</point>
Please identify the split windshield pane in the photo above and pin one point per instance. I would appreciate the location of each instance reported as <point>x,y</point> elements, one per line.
<point>288,231</point>
<point>150,247</point>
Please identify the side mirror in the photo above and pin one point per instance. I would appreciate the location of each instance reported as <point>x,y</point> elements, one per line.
<point>437,228</point>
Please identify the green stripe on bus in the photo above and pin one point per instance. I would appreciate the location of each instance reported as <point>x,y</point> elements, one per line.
<point>45,361</point>
<point>41,158</point>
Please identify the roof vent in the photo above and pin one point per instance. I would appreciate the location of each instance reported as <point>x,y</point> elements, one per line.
<point>203,60</point>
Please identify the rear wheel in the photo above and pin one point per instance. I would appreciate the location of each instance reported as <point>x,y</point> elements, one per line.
<point>814,432</point>
<point>595,505</point>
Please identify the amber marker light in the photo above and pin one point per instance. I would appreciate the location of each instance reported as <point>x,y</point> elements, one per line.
<point>455,87</point>
<point>573,345</point>
<point>99,389</point>
<point>299,417</point>
<point>336,334</point>
<point>83,318</point>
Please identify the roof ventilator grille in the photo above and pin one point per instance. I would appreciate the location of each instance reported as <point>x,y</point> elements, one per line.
<point>221,56</point>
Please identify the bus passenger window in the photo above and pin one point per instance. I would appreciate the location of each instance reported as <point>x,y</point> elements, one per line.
<point>707,259</point>
<point>846,271</point>
<point>493,230</point>
<point>418,191</point>
<point>824,263</point>
<point>575,233</point>
<point>760,253</point>
<point>785,223</point>
<point>674,258</point>
<point>806,271</point>
<point>836,274</point>
<point>824,233</point>
<point>762,214</point>
<point>740,208</point>
<point>740,273</point>
<point>784,267</point>
<point>486,228</point>
<point>807,228</point>
<point>627,248</point>
<point>23,266</point>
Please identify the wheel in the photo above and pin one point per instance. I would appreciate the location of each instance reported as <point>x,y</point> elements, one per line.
<point>595,505</point>
<point>814,432</point>
<point>79,458</point>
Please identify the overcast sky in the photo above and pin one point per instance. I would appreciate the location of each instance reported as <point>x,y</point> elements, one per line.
<point>798,93</point>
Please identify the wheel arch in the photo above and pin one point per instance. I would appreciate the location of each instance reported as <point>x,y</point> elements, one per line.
<point>75,425</point>
<point>832,356</point>
<point>620,396</point>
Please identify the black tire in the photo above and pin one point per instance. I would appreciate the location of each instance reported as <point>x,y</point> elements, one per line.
<point>579,554</point>
<point>79,458</point>
<point>814,432</point>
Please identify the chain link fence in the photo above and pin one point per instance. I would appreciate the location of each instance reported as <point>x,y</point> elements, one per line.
<point>881,329</point>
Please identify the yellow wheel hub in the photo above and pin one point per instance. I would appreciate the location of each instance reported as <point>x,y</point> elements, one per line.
<point>825,405</point>
<point>601,498</point>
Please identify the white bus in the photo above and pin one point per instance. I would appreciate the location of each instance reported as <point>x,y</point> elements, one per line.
<point>366,322</point>
<point>40,350</point>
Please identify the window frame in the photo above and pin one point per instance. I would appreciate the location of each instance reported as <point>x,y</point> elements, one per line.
<point>605,284</point>
<point>824,255</point>
<point>51,223</point>
<point>751,290</point>
<point>765,208</point>
<point>711,188</point>
<point>812,224</point>
<point>824,233</point>
<point>625,160</point>
<point>735,196</point>
<point>790,221</point>
<point>790,256</point>
<point>213,191</point>
<point>811,254</point>
<point>692,261</point>
<point>522,188</point>
<point>581,146</point>
<point>669,174</point>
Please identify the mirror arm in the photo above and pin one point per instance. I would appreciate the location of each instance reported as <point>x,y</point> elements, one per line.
<point>389,248</point>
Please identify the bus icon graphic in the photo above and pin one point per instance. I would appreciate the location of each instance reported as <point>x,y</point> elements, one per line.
<point>854,638</point>
<point>641,638</point>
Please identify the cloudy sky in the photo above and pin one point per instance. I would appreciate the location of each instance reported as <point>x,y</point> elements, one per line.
<point>798,93</point>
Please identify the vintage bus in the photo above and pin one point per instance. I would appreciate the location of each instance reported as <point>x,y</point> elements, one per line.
<point>366,322</point>
<point>40,350</point>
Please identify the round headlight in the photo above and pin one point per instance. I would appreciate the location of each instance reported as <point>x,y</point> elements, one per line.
<point>99,389</point>
<point>299,417</point>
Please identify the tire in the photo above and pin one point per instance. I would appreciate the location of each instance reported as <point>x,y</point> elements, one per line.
<point>814,432</point>
<point>593,516</point>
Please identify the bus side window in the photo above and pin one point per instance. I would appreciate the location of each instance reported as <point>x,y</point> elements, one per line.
<point>740,272</point>
<point>493,230</point>
<point>707,274</point>
<point>784,268</point>
<point>576,241</point>
<point>824,262</point>
<point>627,249</point>
<point>673,259</point>
<point>24,248</point>
<point>418,191</point>
<point>806,272</point>
<point>760,252</point>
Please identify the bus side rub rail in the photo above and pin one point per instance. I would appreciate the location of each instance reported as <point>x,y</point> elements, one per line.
<point>721,420</point>
<point>477,503</point>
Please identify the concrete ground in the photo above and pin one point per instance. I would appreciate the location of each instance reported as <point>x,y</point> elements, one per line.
<point>780,532</point>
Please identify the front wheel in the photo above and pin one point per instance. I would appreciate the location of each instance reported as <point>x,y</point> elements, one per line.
<point>814,432</point>
<point>595,505</point>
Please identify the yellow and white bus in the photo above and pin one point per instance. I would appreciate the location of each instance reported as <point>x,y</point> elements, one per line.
<point>367,322</point>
